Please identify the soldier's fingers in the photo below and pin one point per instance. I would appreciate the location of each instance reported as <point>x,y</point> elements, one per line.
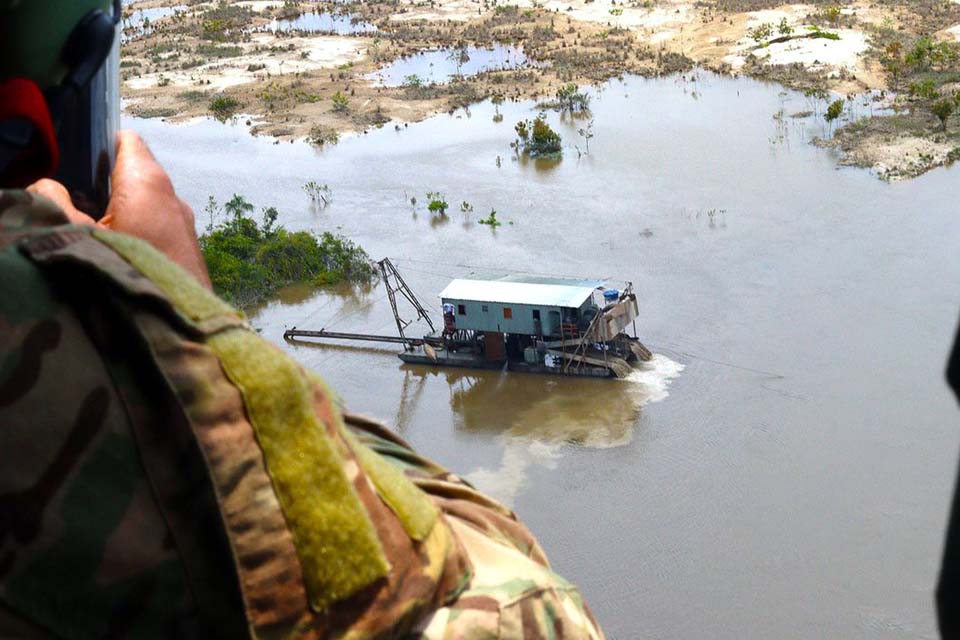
<point>53,190</point>
<point>136,167</point>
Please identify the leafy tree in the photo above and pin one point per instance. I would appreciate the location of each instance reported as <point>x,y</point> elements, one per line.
<point>270,215</point>
<point>943,109</point>
<point>834,111</point>
<point>460,56</point>
<point>572,99</point>
<point>784,28</point>
<point>237,206</point>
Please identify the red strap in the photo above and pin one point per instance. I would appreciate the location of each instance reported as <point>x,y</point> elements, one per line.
<point>21,99</point>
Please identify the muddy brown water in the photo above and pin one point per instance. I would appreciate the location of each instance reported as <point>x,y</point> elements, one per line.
<point>784,468</point>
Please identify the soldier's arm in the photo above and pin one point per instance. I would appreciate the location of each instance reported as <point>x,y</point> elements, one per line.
<point>441,560</point>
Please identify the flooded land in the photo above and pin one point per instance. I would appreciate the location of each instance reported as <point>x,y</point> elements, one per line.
<point>782,468</point>
<point>315,70</point>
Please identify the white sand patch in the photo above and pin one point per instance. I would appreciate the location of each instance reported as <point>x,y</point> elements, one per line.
<point>794,13</point>
<point>813,52</point>
<point>662,22</point>
<point>322,52</point>
<point>259,5</point>
<point>816,54</point>
<point>954,32</point>
<point>665,19</point>
<point>903,157</point>
<point>456,10</point>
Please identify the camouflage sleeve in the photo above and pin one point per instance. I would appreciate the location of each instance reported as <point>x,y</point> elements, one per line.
<point>512,592</point>
<point>86,549</point>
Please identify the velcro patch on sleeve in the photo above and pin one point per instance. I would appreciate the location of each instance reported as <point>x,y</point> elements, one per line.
<point>336,542</point>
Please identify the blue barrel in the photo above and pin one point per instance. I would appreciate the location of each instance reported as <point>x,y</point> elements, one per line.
<point>611,295</point>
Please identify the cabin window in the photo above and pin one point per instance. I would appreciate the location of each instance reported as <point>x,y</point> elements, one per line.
<point>461,309</point>
<point>485,308</point>
<point>507,312</point>
<point>536,314</point>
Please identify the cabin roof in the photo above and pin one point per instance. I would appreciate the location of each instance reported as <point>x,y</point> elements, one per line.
<point>521,289</point>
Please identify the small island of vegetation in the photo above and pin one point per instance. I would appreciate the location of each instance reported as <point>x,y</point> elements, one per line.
<point>249,262</point>
<point>536,139</point>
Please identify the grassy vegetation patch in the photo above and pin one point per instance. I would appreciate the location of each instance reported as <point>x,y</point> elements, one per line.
<point>223,107</point>
<point>218,50</point>
<point>220,21</point>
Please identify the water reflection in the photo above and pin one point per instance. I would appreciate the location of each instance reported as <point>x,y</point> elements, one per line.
<point>538,417</point>
<point>443,65</point>
<point>323,22</point>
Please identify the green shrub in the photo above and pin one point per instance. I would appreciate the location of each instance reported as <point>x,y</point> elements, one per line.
<point>926,89</point>
<point>249,262</point>
<point>943,109</point>
<point>320,135</point>
<point>437,203</point>
<point>760,32</point>
<point>491,220</point>
<point>222,107</point>
<point>537,138</point>
<point>341,104</point>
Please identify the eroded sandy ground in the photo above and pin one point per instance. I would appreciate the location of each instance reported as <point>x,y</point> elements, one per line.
<point>287,80</point>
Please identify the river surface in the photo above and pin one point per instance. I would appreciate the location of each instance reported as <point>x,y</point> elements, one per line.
<point>783,468</point>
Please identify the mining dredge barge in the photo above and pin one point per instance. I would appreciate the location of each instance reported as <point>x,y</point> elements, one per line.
<point>529,324</point>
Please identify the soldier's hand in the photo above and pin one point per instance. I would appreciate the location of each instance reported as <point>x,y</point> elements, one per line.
<point>143,203</point>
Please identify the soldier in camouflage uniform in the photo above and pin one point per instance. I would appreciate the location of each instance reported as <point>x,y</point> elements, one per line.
<point>164,472</point>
